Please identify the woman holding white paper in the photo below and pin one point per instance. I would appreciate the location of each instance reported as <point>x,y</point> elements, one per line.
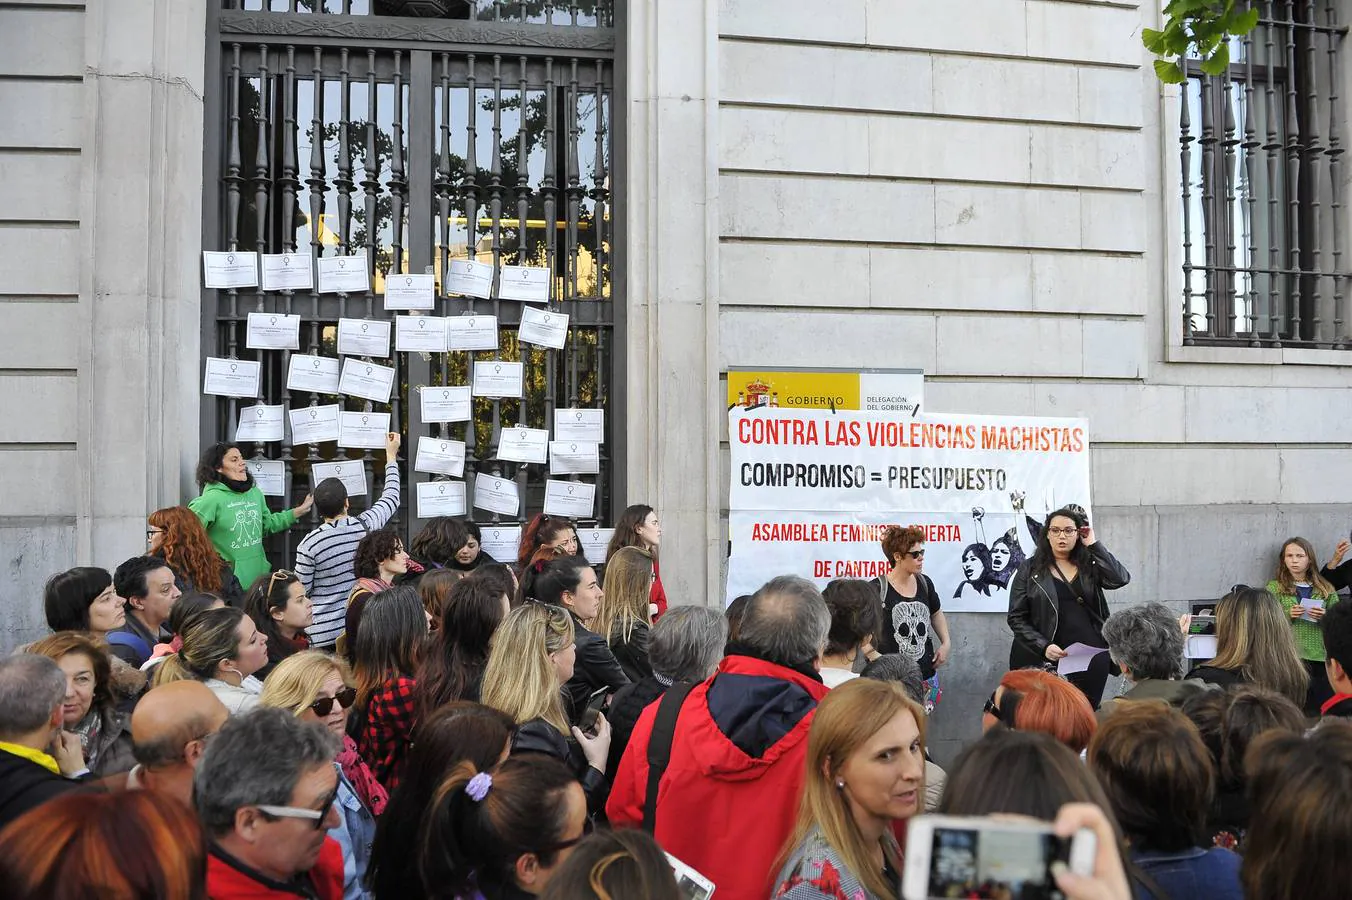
<point>1305,595</point>
<point>1056,599</point>
<point>235,513</point>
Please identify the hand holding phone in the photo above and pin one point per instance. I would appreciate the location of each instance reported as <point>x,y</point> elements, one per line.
<point>951,856</point>
<point>595,703</point>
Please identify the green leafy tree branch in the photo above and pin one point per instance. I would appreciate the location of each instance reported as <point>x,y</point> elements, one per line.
<point>1201,29</point>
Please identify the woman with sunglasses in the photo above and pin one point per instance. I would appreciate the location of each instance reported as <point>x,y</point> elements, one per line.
<point>501,834</point>
<point>316,687</point>
<point>912,617</point>
<point>280,608</point>
<point>1057,599</point>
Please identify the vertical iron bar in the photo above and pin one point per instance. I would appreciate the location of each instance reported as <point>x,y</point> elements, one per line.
<point>234,181</point>
<point>573,194</point>
<point>1208,143</point>
<point>1293,149</point>
<point>318,187</point>
<point>600,195</point>
<point>344,180</point>
<point>443,188</point>
<point>1335,153</point>
<point>1313,155</point>
<point>262,187</point>
<point>1185,141</point>
<point>1230,271</point>
<point>532,355</point>
<point>1251,222</point>
<point>421,139</point>
<point>1273,147</point>
<point>288,183</point>
<point>370,184</point>
<point>495,224</point>
<point>470,185</point>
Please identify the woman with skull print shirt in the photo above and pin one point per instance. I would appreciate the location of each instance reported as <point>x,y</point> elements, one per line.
<point>911,615</point>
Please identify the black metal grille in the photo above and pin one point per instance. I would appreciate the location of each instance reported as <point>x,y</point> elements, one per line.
<point>1261,152</point>
<point>416,156</point>
<point>593,13</point>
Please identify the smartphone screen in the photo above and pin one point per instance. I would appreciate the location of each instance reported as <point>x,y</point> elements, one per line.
<point>994,863</point>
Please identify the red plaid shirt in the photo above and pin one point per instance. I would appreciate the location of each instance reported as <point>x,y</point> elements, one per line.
<point>388,729</point>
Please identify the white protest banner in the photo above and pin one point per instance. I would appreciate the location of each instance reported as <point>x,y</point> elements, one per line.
<point>812,490</point>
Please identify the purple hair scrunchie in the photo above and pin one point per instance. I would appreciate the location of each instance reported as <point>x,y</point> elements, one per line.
<point>478,786</point>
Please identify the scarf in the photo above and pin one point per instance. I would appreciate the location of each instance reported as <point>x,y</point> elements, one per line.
<point>89,728</point>
<point>371,791</point>
<point>239,487</point>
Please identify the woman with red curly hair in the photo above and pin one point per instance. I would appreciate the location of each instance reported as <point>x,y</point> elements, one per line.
<point>176,535</point>
<point>1034,700</point>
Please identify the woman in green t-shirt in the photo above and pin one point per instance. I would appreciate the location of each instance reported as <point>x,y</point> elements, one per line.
<point>1306,595</point>
<point>235,513</point>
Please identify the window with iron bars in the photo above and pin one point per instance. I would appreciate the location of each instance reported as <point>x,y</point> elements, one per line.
<point>1261,149</point>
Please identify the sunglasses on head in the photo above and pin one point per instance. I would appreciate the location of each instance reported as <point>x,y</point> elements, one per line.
<point>324,705</point>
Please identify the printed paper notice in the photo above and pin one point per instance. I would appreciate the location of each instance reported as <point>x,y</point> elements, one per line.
<point>287,272</point>
<point>497,494</point>
<point>369,381</point>
<point>580,425</point>
<point>410,291</point>
<point>364,337</point>
<point>268,331</point>
<point>316,374</point>
<point>543,328</point>
<point>445,404</point>
<point>420,334</point>
<point>472,333</point>
<point>314,424</point>
<point>261,423</point>
<point>594,542</point>
<point>527,283</point>
<point>501,542</point>
<point>470,279</point>
<point>351,472</point>
<point>572,499</point>
<point>230,269</point>
<point>343,275</point>
<point>269,475</point>
<point>437,456</point>
<point>497,379</point>
<point>441,498</point>
<point>364,431</point>
<point>240,377</point>
<point>523,444</point>
<point>574,458</point>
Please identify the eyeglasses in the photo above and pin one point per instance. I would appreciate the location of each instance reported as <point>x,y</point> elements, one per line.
<point>296,812</point>
<point>991,709</point>
<point>916,554</point>
<point>151,532</point>
<point>324,705</point>
<point>1065,531</point>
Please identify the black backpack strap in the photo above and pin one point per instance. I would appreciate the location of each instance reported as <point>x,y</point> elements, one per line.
<point>659,746</point>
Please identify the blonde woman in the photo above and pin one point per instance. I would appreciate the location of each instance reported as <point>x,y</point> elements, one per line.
<point>316,687</point>
<point>529,659</point>
<point>222,648</point>
<point>624,618</point>
<point>865,772</point>
<point>1306,595</point>
<point>1254,645</point>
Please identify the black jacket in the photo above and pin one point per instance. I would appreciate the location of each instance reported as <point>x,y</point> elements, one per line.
<point>1033,612</point>
<point>594,668</point>
<point>538,736</point>
<point>626,706</point>
<point>632,654</point>
<point>25,784</point>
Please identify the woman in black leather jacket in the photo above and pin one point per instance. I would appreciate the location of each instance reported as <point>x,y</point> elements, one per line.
<point>1056,599</point>
<point>570,582</point>
<point>530,658</point>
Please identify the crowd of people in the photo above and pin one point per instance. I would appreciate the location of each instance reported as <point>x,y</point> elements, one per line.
<point>382,722</point>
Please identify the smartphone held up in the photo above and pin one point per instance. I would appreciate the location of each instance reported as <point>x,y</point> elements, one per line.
<point>989,859</point>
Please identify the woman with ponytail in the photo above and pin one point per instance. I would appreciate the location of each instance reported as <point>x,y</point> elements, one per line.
<point>222,648</point>
<point>500,834</point>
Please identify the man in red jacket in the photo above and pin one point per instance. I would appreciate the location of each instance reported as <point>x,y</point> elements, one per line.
<point>265,790</point>
<point>729,796</point>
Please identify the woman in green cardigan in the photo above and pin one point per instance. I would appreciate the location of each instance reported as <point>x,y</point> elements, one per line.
<point>1306,595</point>
<point>235,513</point>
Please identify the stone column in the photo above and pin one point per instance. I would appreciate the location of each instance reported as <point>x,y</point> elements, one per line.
<point>670,246</point>
<point>141,219</point>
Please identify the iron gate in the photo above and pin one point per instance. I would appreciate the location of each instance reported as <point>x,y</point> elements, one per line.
<point>418,132</point>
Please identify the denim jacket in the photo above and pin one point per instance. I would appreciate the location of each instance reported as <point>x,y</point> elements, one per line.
<point>354,835</point>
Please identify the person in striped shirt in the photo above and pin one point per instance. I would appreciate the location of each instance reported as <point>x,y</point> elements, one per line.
<point>325,556</point>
